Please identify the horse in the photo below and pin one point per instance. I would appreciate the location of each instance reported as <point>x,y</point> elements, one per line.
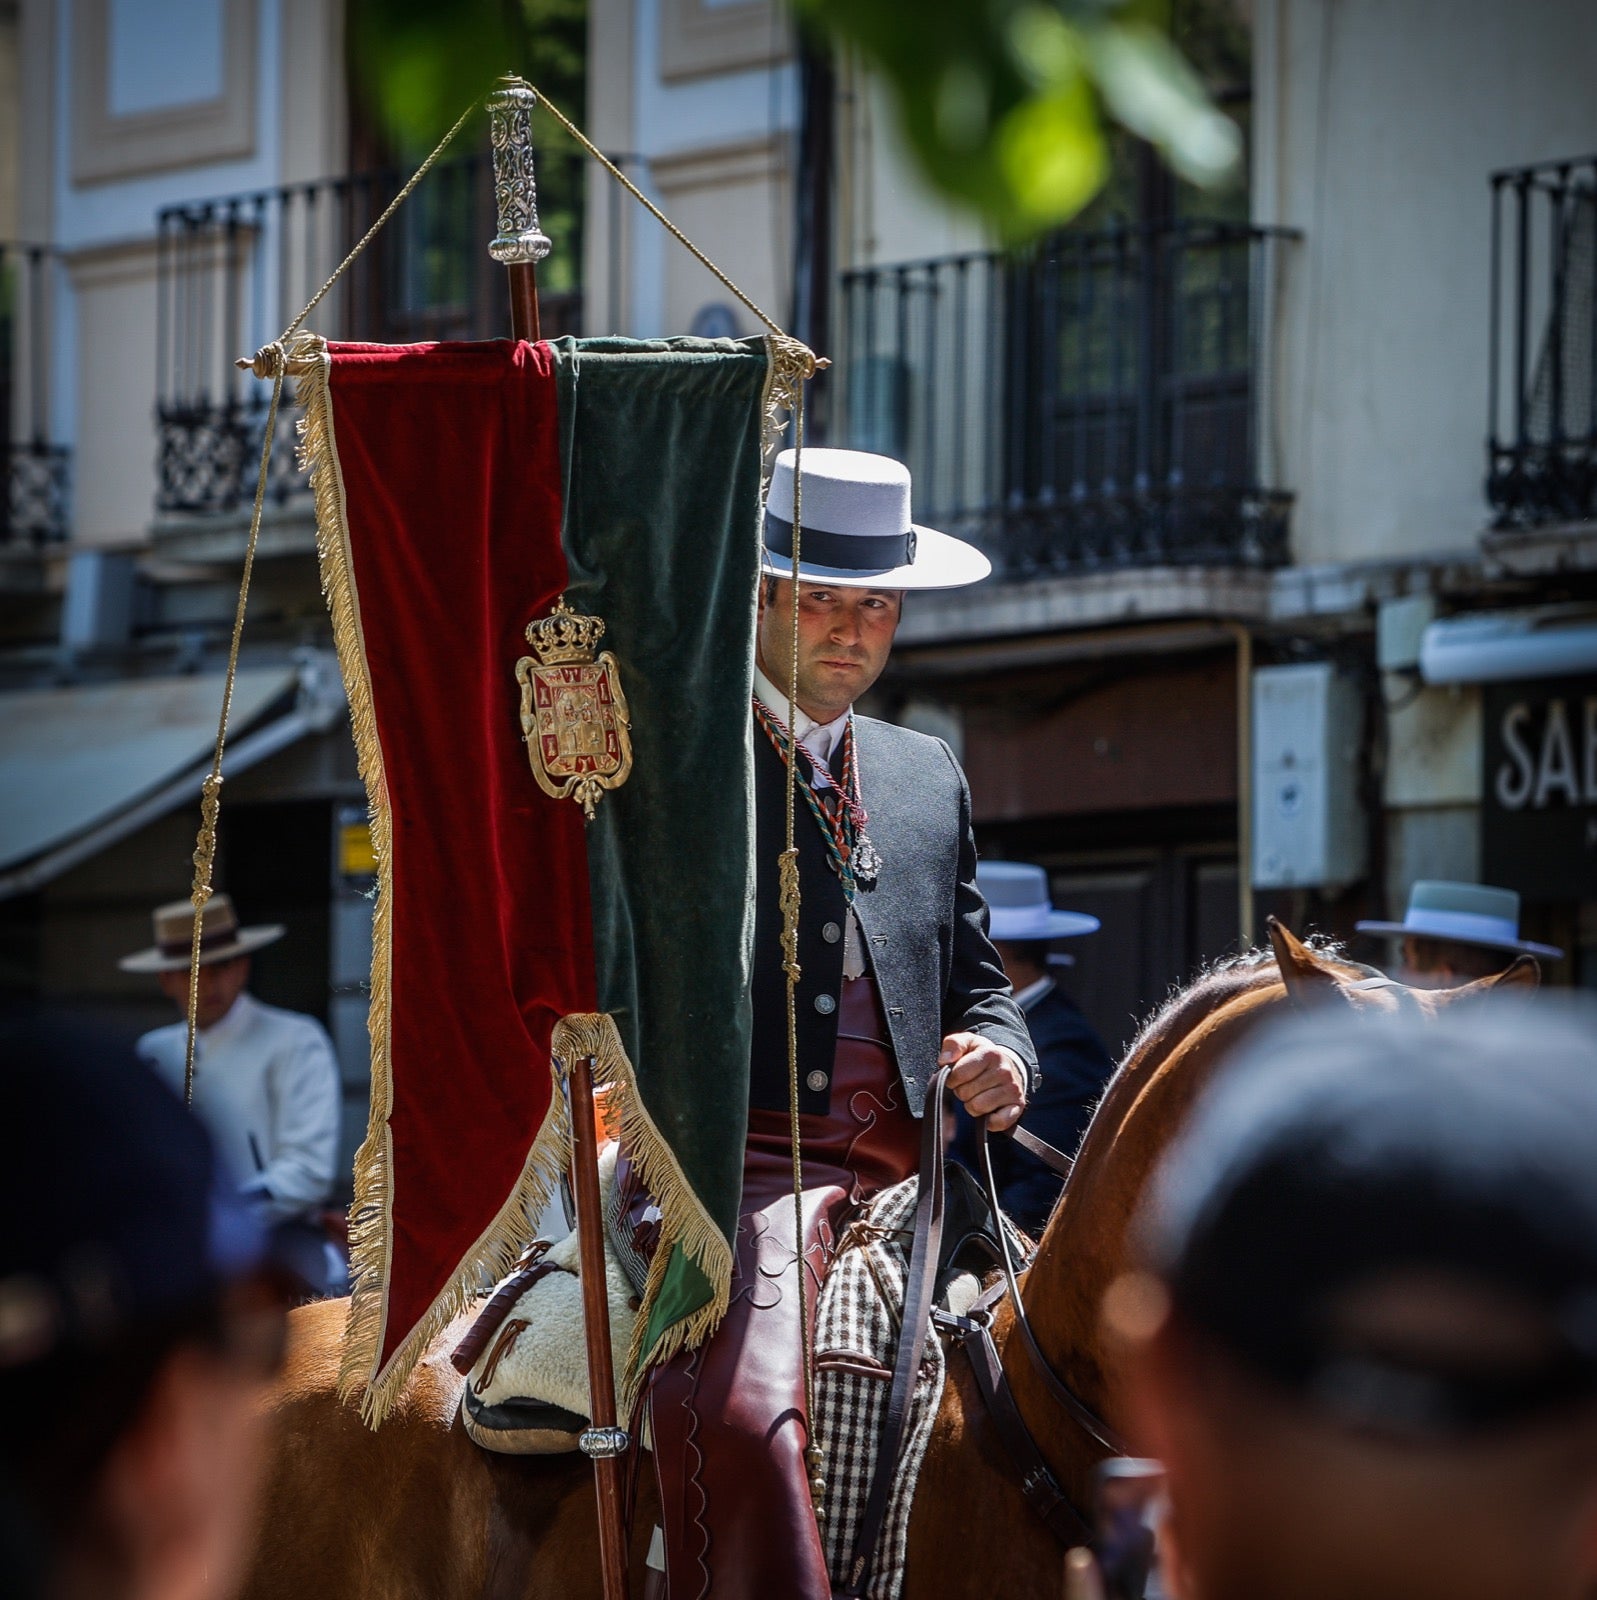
<point>416,1510</point>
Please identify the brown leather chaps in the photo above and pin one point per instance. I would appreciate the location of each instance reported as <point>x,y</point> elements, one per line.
<point>727,1420</point>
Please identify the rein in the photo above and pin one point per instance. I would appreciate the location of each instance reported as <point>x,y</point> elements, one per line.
<point>1059,1391</point>
<point>973,1333</point>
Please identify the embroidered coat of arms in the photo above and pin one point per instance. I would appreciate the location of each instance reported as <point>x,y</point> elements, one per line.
<point>573,711</point>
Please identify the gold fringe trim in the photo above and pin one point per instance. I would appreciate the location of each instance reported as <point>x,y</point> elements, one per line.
<point>684,1221</point>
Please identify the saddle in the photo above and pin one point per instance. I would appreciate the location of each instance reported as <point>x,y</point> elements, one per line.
<point>525,1360</point>
<point>525,1356</point>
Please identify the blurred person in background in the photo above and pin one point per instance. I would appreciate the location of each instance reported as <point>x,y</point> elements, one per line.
<point>137,1331</point>
<point>1365,1340</point>
<point>1454,933</point>
<point>1075,1065</point>
<point>265,1081</point>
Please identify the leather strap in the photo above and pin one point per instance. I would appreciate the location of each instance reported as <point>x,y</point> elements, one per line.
<point>1062,1395</point>
<point>918,1288</point>
<point>1037,1483</point>
<point>1055,1160</point>
<point>526,1272</point>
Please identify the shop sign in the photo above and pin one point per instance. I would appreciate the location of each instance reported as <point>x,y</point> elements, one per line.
<point>1539,792</point>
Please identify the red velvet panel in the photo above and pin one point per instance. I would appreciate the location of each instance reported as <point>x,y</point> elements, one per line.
<point>451,470</point>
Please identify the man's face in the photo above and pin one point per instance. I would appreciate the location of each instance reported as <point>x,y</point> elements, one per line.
<point>221,983</point>
<point>1443,964</point>
<point>844,636</point>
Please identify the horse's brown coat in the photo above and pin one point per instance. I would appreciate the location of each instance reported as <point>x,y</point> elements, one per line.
<point>417,1512</point>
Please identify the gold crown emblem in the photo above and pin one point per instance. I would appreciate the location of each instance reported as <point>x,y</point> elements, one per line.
<point>564,635</point>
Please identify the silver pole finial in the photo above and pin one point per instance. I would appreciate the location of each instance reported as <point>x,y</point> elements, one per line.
<point>520,238</point>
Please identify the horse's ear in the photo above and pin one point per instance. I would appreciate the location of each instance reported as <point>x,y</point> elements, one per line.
<point>1305,979</point>
<point>1525,973</point>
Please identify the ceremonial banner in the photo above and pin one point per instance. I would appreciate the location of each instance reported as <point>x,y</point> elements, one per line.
<point>541,564</point>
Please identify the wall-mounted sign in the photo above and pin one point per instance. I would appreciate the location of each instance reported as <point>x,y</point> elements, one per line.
<point>1539,788</point>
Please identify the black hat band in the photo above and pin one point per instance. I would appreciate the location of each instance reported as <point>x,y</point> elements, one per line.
<point>849,552</point>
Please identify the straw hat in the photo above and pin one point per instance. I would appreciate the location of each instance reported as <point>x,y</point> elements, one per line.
<point>1465,913</point>
<point>221,938</point>
<point>857,532</point>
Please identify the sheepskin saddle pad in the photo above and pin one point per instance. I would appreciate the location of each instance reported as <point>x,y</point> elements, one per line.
<point>527,1391</point>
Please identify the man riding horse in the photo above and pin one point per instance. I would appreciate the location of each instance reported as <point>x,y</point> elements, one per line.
<point>898,977</point>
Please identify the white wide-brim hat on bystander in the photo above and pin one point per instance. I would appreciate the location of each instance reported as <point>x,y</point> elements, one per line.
<point>1017,900</point>
<point>1464,913</point>
<point>855,528</point>
<point>221,938</point>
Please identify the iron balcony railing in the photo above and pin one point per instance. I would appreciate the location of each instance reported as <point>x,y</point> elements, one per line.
<point>233,272</point>
<point>1542,424</point>
<point>1098,401</point>
<point>35,507</point>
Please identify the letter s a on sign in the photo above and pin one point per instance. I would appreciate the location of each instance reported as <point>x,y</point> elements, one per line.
<point>1514,780</point>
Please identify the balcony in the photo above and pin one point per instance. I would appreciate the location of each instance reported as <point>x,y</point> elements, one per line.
<point>1542,428</point>
<point>233,272</point>
<point>1094,403</point>
<point>34,509</point>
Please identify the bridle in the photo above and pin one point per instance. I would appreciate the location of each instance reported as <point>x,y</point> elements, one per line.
<point>1059,1391</point>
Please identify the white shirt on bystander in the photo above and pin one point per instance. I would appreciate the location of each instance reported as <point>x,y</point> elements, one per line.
<point>266,1087</point>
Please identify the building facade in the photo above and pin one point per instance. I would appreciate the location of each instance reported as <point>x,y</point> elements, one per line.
<point>1241,459</point>
<point>1289,487</point>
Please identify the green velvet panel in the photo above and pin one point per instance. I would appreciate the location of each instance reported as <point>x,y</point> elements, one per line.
<point>660,445</point>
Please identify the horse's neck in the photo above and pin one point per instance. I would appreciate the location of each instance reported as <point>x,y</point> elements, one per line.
<point>1084,1248</point>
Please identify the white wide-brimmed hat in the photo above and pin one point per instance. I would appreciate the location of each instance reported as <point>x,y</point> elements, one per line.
<point>1465,913</point>
<point>221,938</point>
<point>1017,896</point>
<point>856,530</point>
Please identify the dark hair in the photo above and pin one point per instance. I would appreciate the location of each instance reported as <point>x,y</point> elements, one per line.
<point>122,1254</point>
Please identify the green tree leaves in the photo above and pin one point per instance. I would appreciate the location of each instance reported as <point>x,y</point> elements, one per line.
<point>1004,101</point>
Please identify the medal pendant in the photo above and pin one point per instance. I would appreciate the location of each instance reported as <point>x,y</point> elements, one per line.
<point>865,862</point>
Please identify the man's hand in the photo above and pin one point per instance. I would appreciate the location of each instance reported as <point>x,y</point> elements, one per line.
<point>987,1078</point>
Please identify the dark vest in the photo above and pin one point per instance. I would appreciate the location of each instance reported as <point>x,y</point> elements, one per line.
<point>822,913</point>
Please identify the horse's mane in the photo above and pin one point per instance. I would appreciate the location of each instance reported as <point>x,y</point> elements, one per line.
<point>1220,982</point>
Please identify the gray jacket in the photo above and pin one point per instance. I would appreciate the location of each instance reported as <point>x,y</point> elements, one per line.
<point>924,921</point>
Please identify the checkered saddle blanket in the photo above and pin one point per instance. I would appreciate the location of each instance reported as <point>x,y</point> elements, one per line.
<point>856,1341</point>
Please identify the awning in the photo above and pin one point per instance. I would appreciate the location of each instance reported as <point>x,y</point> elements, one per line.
<point>84,766</point>
<point>1492,646</point>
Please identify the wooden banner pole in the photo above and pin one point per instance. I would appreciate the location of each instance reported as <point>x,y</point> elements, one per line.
<point>603,1440</point>
<point>524,323</point>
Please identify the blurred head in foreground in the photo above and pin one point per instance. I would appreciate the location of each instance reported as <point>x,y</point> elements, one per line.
<point>134,1331</point>
<point>1365,1339</point>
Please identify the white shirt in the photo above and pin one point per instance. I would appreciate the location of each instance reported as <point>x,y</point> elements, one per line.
<point>1033,992</point>
<point>266,1087</point>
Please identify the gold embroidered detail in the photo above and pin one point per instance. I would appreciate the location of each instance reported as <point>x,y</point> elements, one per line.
<point>573,710</point>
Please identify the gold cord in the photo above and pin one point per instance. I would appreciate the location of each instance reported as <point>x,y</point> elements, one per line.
<point>211,791</point>
<point>788,880</point>
<point>653,210</point>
